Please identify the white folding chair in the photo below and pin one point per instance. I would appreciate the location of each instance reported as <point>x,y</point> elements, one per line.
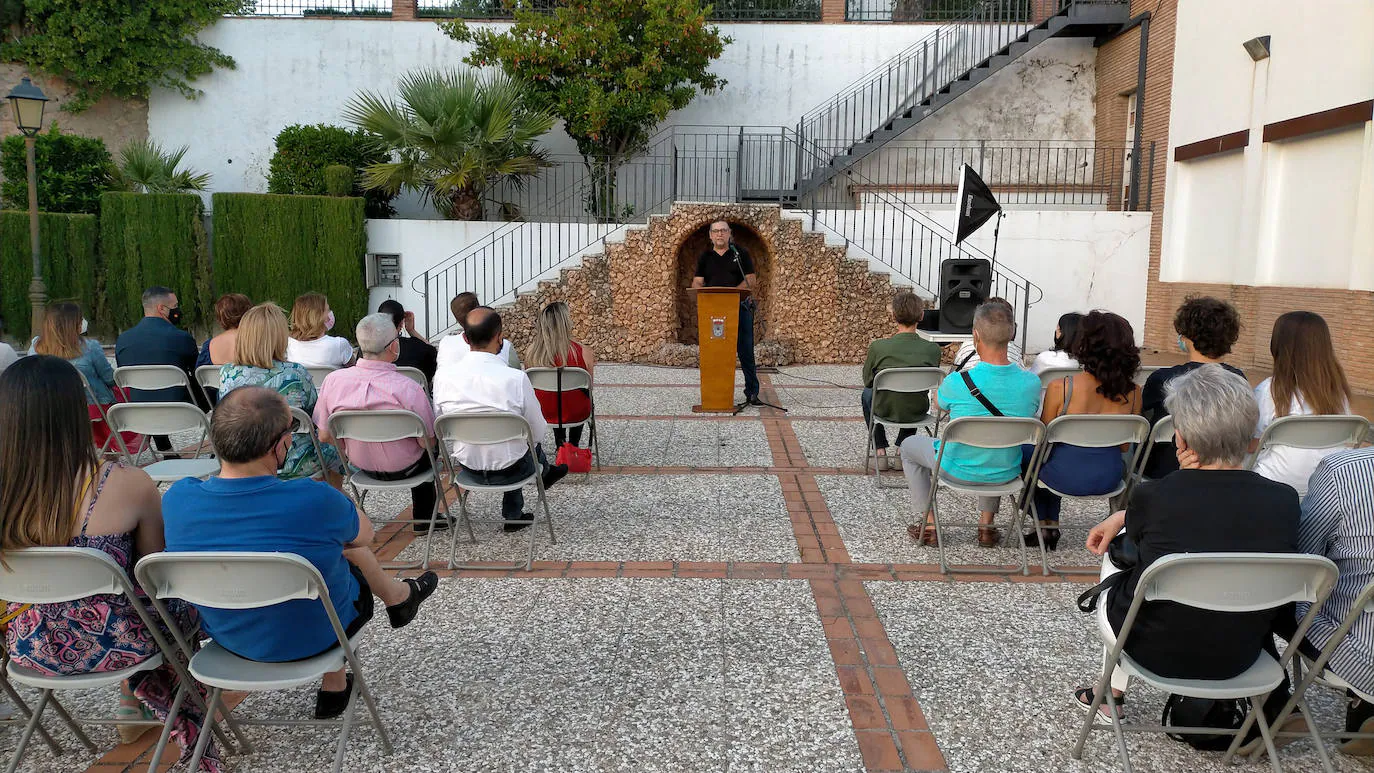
<point>484,429</point>
<point>1318,673</point>
<point>151,377</point>
<point>901,381</point>
<point>384,426</point>
<point>246,581</point>
<point>1085,431</point>
<point>990,432</point>
<point>1218,582</point>
<point>1142,373</point>
<point>573,379</point>
<point>1162,432</point>
<point>318,373</point>
<point>1311,432</point>
<point>59,574</point>
<point>302,424</point>
<point>100,411</point>
<point>1050,375</point>
<point>164,419</point>
<point>208,377</point>
<point>416,375</point>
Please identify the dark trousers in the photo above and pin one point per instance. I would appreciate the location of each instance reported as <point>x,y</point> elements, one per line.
<point>422,497</point>
<point>880,433</point>
<point>1074,470</point>
<point>162,442</point>
<point>512,502</point>
<point>561,436</point>
<point>744,347</point>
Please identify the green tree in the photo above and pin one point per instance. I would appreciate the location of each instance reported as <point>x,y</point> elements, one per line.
<point>304,152</point>
<point>72,172</point>
<point>611,69</point>
<point>116,46</point>
<point>453,136</point>
<point>144,167</point>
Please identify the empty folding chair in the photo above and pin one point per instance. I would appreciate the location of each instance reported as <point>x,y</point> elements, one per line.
<point>165,419</point>
<point>1085,431</point>
<point>385,426</point>
<point>154,377</point>
<point>1219,582</point>
<point>990,432</point>
<point>318,373</point>
<point>254,581</point>
<point>490,428</point>
<point>1143,373</point>
<point>1311,432</point>
<point>572,379</point>
<point>416,375</point>
<point>1317,673</point>
<point>902,381</point>
<point>59,574</point>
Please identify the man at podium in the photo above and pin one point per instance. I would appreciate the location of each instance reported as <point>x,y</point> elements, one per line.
<point>726,264</point>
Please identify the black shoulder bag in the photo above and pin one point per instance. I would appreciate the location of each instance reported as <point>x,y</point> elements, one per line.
<point>978,394</point>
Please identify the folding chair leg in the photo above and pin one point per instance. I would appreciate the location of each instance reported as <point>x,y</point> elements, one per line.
<point>28,731</point>
<point>1114,708</point>
<point>166,733</point>
<point>24,709</point>
<point>548,521</point>
<point>594,444</point>
<point>347,727</point>
<point>204,740</point>
<point>372,710</point>
<point>453,545</point>
<point>75,728</point>
<point>1257,709</point>
<point>1327,765</point>
<point>1100,691</point>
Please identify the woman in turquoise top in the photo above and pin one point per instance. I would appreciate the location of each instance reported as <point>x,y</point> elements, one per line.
<point>260,360</point>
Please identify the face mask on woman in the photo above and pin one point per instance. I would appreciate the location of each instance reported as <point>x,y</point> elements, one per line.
<point>84,326</point>
<point>329,320</point>
<point>1182,347</point>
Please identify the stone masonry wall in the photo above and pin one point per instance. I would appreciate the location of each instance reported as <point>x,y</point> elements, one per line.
<point>116,121</point>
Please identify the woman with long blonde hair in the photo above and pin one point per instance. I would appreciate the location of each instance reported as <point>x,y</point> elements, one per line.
<point>63,335</point>
<point>311,319</point>
<point>553,347</point>
<point>1308,380</point>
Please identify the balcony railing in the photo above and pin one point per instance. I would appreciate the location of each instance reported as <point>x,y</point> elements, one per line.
<point>722,10</point>
<point>357,8</point>
<point>934,11</point>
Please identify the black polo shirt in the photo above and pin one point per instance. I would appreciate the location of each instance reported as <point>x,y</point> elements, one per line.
<point>722,270</point>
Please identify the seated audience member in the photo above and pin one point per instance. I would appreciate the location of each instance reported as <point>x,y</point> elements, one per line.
<point>8,356</point>
<point>453,347</point>
<point>1211,505</point>
<point>248,508</point>
<point>1013,390</point>
<point>55,492</point>
<point>1337,519</point>
<point>374,384</point>
<point>1207,329</point>
<point>553,347</point>
<point>967,355</point>
<point>1308,380</point>
<point>229,309</point>
<point>155,340</point>
<point>1059,356</point>
<point>311,318</point>
<point>904,349</point>
<point>63,336</point>
<point>260,360</point>
<point>1105,346</point>
<point>486,382</point>
<point>416,352</point>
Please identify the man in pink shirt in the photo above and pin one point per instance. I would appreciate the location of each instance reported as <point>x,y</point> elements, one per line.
<point>375,384</point>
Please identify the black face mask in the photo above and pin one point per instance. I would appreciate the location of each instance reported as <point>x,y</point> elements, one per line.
<point>174,316</point>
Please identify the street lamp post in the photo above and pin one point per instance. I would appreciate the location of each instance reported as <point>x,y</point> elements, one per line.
<point>28,102</point>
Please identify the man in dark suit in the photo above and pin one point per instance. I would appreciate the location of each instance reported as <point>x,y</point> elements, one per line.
<point>416,352</point>
<point>156,340</point>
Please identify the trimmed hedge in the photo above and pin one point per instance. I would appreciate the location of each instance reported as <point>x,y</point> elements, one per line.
<point>70,266</point>
<point>155,239</point>
<point>273,247</point>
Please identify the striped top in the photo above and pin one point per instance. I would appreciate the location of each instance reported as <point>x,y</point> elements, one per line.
<point>1338,522</point>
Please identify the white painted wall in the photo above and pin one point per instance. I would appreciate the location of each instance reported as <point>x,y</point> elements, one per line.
<point>1293,213</point>
<point>1081,260</point>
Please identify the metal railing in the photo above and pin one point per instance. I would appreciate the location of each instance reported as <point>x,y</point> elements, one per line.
<point>722,10</point>
<point>915,10</point>
<point>357,8</point>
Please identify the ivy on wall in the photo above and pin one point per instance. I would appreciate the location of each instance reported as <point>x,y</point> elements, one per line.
<point>151,239</point>
<point>117,47</point>
<point>69,260</point>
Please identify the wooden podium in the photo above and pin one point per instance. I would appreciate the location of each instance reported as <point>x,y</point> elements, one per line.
<point>717,337</point>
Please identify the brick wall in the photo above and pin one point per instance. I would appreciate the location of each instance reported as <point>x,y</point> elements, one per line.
<point>1349,313</point>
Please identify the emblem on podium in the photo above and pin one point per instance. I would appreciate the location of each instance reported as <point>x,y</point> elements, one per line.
<point>717,327</point>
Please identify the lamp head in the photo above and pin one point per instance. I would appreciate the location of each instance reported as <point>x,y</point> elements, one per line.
<point>1257,48</point>
<point>27,101</point>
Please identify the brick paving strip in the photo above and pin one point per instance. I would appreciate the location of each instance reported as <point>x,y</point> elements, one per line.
<point>888,722</point>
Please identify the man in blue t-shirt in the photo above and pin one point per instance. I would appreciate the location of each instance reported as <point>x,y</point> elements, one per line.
<point>1011,389</point>
<point>247,508</point>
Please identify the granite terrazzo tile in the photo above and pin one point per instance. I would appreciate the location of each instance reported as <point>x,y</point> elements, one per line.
<point>647,401</point>
<point>619,373</point>
<point>833,443</point>
<point>827,401</point>
<point>819,375</point>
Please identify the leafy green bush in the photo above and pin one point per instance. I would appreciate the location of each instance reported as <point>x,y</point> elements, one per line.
<point>303,152</point>
<point>338,180</point>
<point>70,267</point>
<point>155,239</point>
<point>72,172</point>
<point>274,248</point>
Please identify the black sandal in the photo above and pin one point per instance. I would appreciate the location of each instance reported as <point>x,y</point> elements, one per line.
<point>421,588</point>
<point>1084,696</point>
<point>330,704</point>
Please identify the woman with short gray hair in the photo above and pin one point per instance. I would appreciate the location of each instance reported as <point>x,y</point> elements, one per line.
<point>1209,505</point>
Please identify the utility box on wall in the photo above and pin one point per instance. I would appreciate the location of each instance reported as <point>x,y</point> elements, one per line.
<point>383,270</point>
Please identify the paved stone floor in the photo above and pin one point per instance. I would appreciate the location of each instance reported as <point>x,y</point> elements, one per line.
<point>726,594</point>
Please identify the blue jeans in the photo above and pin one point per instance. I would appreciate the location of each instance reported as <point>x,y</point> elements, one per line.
<point>879,433</point>
<point>512,502</point>
<point>1076,471</point>
<point>744,347</point>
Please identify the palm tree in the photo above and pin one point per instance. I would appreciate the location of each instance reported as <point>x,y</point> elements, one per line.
<point>144,167</point>
<point>453,135</point>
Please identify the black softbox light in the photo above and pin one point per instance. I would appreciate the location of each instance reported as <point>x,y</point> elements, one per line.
<point>976,204</point>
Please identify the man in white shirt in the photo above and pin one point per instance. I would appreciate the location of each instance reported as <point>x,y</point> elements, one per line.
<point>485,383</point>
<point>453,347</point>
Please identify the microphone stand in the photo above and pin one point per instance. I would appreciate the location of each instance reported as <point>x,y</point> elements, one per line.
<point>741,406</point>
